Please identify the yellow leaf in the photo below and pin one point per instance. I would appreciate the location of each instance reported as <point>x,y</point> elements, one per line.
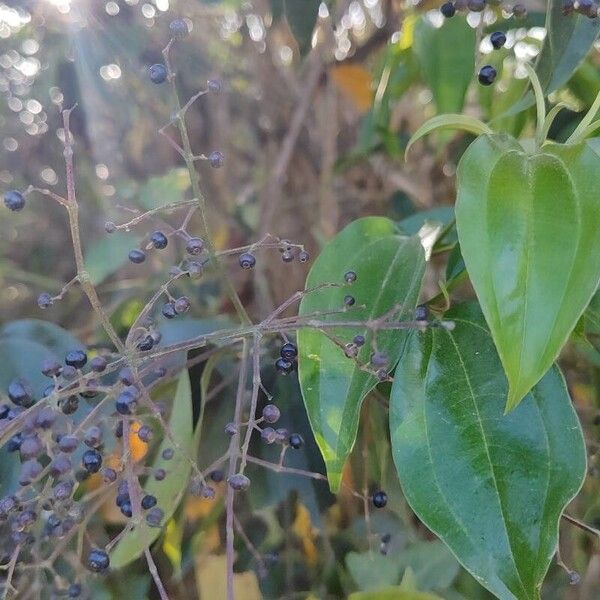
<point>198,508</point>
<point>211,580</point>
<point>137,448</point>
<point>303,528</point>
<point>356,83</point>
<point>172,543</point>
<point>407,32</point>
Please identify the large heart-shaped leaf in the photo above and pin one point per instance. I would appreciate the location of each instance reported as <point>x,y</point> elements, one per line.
<point>492,486</point>
<point>170,490</point>
<point>528,228</point>
<point>389,270</point>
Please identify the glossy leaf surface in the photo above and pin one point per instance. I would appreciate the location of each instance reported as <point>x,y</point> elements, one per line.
<point>491,486</point>
<point>528,229</point>
<point>170,490</point>
<point>389,270</point>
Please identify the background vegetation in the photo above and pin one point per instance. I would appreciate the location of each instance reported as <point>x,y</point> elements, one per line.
<point>313,127</point>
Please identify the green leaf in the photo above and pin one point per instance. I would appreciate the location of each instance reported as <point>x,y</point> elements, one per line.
<point>528,229</point>
<point>491,486</point>
<point>448,73</point>
<point>568,40</point>
<point>56,339</point>
<point>433,565</point>
<point>106,255</point>
<point>302,17</point>
<point>446,122</point>
<point>165,189</point>
<point>371,570</point>
<point>389,270</point>
<point>170,490</point>
<point>393,593</point>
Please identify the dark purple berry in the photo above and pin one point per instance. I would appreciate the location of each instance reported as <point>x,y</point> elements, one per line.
<point>282,435</point>
<point>148,501</point>
<point>155,516</point>
<point>287,256</point>
<point>30,471</point>
<point>145,344</point>
<point>295,441</point>
<point>20,393</point>
<point>126,402</point>
<point>217,475</point>
<point>216,159</point>
<point>126,376</point>
<point>421,313</point>
<point>349,300</point>
<point>145,433</point>
<point>238,482</point>
<point>284,366</point>
<point>69,405</point>
<point>91,461</point>
<point>487,75</point>
<point>247,260</point>
<point>182,305</point>
<point>45,300</point>
<point>168,453</point>
<point>168,310</point>
<point>159,240</point>
<point>498,39</point>
<point>268,435</point>
<point>31,447</point>
<point>76,359</point>
<point>14,200</point>
<point>126,509</point>
<point>62,490</point>
<point>51,367</point>
<point>303,256</point>
<point>98,364</point>
<point>379,499</point>
<point>359,340</point>
<point>98,561</point>
<point>271,413</point>
<point>121,498</point>
<point>93,437</point>
<point>214,86</point>
<point>69,372</point>
<point>158,73</point>
<point>288,351</point>
<point>159,474</point>
<point>194,246</point>
<point>137,256</point>
<point>448,9</point>
<point>109,475</point>
<point>60,465</point>
<point>68,443</point>
<point>350,277</point>
<point>74,590</point>
<point>179,29</point>
<point>110,227</point>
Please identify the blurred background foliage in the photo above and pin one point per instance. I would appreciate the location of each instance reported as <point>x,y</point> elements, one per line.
<point>318,102</point>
